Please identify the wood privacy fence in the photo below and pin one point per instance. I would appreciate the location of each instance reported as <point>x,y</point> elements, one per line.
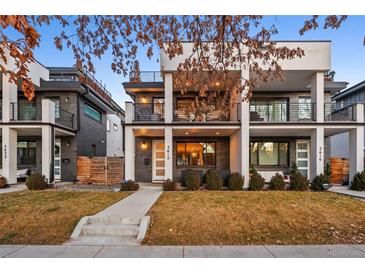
<point>100,170</point>
<point>339,169</point>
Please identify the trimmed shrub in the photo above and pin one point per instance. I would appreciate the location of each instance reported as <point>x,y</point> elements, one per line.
<point>224,174</point>
<point>235,181</point>
<point>298,182</point>
<point>213,180</point>
<point>358,182</point>
<point>277,182</point>
<point>36,181</point>
<point>3,183</point>
<point>192,179</point>
<point>319,182</point>
<point>257,182</point>
<point>169,185</point>
<point>129,185</point>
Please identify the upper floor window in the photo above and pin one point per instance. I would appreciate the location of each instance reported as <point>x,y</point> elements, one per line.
<point>92,113</point>
<point>107,125</point>
<point>305,108</point>
<point>158,106</point>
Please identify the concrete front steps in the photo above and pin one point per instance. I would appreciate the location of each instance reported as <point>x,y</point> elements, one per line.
<point>109,230</point>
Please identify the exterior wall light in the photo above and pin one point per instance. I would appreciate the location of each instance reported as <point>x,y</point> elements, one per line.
<point>144,100</point>
<point>144,145</point>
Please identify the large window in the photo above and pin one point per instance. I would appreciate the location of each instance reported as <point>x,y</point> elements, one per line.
<point>195,153</point>
<point>92,113</point>
<point>269,153</point>
<point>269,110</point>
<point>27,153</point>
<point>305,108</point>
<point>56,101</point>
<point>158,106</point>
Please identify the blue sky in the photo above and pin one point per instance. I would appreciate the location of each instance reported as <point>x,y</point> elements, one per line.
<point>348,52</point>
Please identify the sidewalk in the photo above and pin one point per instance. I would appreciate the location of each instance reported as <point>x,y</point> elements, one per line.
<point>13,188</point>
<point>344,190</point>
<point>299,251</point>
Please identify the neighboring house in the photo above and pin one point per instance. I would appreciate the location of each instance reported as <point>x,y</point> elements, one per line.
<point>284,122</point>
<point>114,132</point>
<point>67,118</point>
<point>346,99</point>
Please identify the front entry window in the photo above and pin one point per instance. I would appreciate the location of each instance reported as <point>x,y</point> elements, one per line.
<point>269,153</point>
<point>195,153</point>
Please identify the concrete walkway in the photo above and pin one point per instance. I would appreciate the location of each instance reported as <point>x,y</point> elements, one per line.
<point>345,190</point>
<point>13,188</point>
<point>123,223</point>
<point>299,251</point>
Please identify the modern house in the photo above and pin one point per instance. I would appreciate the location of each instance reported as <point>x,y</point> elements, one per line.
<point>346,98</point>
<point>67,118</point>
<point>283,122</point>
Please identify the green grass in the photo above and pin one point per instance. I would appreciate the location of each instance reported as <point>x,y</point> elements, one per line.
<point>255,218</point>
<point>48,216</point>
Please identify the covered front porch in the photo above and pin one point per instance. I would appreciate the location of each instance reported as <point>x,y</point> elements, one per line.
<point>38,148</point>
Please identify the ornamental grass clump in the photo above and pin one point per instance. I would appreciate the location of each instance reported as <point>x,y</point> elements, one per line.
<point>213,180</point>
<point>358,182</point>
<point>235,181</point>
<point>192,180</point>
<point>257,182</point>
<point>277,182</point>
<point>36,181</point>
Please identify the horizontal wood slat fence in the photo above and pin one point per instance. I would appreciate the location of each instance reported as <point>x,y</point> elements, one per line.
<point>339,169</point>
<point>100,170</point>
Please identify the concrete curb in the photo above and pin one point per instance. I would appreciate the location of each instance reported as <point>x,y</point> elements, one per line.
<point>77,231</point>
<point>143,227</point>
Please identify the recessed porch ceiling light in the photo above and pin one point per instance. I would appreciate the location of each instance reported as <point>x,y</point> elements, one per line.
<point>217,133</point>
<point>186,133</point>
<point>217,83</point>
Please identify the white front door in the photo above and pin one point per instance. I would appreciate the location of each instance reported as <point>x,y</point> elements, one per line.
<point>158,160</point>
<point>57,159</point>
<point>303,157</point>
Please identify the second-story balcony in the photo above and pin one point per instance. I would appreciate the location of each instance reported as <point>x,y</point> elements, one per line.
<point>26,111</point>
<point>282,112</point>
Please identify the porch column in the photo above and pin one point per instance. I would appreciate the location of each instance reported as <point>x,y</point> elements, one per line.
<point>9,143</point>
<point>47,152</point>
<point>168,97</point>
<point>245,131</point>
<point>317,95</point>
<point>356,151</point>
<point>129,153</point>
<point>317,152</point>
<point>168,153</point>
<point>9,92</point>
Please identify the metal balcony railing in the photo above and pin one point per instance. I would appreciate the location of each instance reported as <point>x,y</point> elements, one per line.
<point>282,112</point>
<point>193,114</point>
<point>333,113</point>
<point>64,117</point>
<point>153,112</point>
<point>146,76</point>
<point>25,111</point>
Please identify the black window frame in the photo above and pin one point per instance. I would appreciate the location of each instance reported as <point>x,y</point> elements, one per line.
<point>96,110</point>
<point>204,160</point>
<point>258,154</point>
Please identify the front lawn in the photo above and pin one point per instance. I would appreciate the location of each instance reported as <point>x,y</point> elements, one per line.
<point>255,218</point>
<point>48,216</point>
